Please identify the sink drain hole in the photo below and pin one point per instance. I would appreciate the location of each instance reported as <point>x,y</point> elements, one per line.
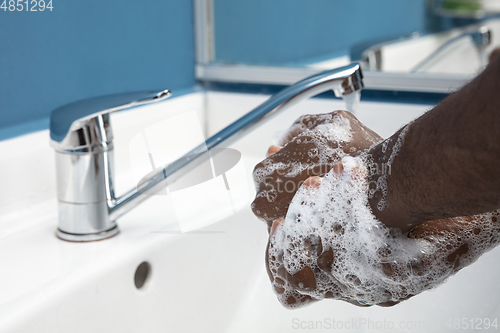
<point>142,274</point>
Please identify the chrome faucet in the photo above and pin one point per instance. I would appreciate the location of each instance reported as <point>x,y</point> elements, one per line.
<point>373,59</point>
<point>480,36</point>
<point>82,137</point>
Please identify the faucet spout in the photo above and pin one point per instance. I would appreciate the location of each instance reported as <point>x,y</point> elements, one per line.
<point>342,81</point>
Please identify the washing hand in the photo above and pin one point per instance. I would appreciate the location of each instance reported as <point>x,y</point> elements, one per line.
<point>312,145</point>
<point>347,255</point>
<point>330,260</point>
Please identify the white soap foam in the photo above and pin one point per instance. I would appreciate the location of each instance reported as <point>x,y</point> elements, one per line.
<point>336,127</point>
<point>372,263</point>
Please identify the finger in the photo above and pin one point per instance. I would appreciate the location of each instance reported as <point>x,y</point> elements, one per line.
<point>293,299</point>
<point>302,280</point>
<point>457,233</point>
<point>392,303</point>
<point>358,172</point>
<point>388,304</point>
<point>272,150</point>
<point>455,242</point>
<point>312,183</point>
<point>276,223</point>
<point>325,261</point>
<point>281,279</point>
<point>338,168</point>
<point>356,303</point>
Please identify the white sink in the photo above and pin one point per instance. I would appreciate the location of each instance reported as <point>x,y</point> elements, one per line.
<point>210,279</point>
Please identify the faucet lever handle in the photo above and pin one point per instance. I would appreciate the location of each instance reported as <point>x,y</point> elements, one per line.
<point>73,116</point>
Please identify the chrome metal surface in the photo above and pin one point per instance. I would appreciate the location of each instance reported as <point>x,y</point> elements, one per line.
<point>84,216</point>
<point>87,237</point>
<point>204,31</point>
<point>371,79</point>
<point>77,126</point>
<point>372,58</point>
<point>82,136</point>
<point>342,81</point>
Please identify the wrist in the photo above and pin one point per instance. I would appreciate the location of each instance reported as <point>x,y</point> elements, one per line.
<point>385,193</point>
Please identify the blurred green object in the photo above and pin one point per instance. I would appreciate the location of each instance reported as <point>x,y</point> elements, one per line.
<point>462,5</point>
<point>459,8</point>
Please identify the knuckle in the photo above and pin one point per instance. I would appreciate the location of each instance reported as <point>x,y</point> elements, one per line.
<point>341,113</point>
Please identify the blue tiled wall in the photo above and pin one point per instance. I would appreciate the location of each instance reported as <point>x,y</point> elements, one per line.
<point>88,48</point>
<point>288,32</point>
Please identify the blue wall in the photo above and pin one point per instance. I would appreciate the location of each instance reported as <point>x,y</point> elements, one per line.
<point>86,48</point>
<point>287,32</point>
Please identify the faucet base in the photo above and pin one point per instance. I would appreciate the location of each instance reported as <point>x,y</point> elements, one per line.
<point>87,237</point>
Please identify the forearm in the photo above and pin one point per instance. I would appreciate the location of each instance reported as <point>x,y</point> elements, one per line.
<point>447,161</point>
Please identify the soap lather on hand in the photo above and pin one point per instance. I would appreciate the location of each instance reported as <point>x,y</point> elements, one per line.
<point>312,257</point>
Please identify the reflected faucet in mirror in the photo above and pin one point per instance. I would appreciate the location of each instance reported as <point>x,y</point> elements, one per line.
<point>480,38</point>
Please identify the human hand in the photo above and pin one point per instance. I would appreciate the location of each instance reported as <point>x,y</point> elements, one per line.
<point>310,147</point>
<point>330,246</point>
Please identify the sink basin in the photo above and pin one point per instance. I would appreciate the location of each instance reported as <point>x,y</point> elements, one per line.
<point>204,273</point>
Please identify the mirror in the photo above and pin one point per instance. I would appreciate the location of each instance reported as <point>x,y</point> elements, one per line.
<point>397,42</point>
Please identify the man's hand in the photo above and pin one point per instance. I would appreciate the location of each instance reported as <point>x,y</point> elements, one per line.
<point>310,147</point>
<point>396,267</point>
<point>456,242</point>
